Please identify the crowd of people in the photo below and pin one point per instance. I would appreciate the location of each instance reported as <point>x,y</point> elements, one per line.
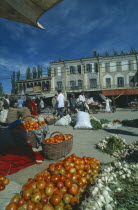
<point>34,104</point>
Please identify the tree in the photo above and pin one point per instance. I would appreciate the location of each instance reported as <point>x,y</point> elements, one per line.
<point>106,53</point>
<point>133,51</point>
<point>13,82</point>
<point>39,71</point>
<point>18,75</point>
<point>122,52</point>
<point>34,73</point>
<point>28,73</point>
<point>49,71</point>
<point>1,89</point>
<point>115,52</point>
<point>59,59</point>
<point>94,53</point>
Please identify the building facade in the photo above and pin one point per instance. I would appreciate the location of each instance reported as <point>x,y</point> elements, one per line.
<point>39,86</point>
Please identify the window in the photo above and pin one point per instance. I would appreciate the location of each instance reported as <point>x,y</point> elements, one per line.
<point>72,83</point>
<point>107,67</point>
<point>59,85</point>
<point>55,72</point>
<point>118,66</point>
<point>88,67</point>
<point>108,83</point>
<point>80,82</point>
<point>93,83</point>
<point>79,69</point>
<point>130,65</point>
<point>72,69</point>
<point>95,67</point>
<point>120,81</point>
<point>131,81</point>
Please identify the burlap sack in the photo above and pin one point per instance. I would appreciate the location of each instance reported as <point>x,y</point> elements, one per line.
<point>12,115</point>
<point>23,112</point>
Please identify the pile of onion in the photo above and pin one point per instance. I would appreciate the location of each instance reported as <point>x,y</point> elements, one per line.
<point>59,186</point>
<point>3,182</point>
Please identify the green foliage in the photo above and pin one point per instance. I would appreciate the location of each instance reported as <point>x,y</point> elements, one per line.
<point>13,82</point>
<point>95,124</point>
<point>122,52</point>
<point>28,73</point>
<point>127,197</point>
<point>73,121</point>
<point>18,75</point>
<point>133,51</point>
<point>131,123</point>
<point>106,53</point>
<point>34,73</point>
<point>104,121</point>
<point>115,52</point>
<point>1,89</point>
<point>39,71</point>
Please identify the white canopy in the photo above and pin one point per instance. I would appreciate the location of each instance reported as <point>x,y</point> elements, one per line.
<point>26,11</point>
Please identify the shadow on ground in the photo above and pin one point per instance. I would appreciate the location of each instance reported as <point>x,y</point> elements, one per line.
<point>118,131</point>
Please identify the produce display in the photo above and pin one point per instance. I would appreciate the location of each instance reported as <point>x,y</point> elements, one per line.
<point>59,186</point>
<point>58,138</point>
<point>31,125</point>
<point>117,120</point>
<point>3,182</point>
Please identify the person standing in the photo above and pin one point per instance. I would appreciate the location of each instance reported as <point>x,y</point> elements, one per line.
<point>82,101</point>
<point>20,102</point>
<point>27,103</point>
<point>42,106</point>
<point>5,103</point>
<point>37,100</point>
<point>107,107</point>
<point>54,104</point>
<point>72,101</point>
<point>33,107</point>
<point>60,101</point>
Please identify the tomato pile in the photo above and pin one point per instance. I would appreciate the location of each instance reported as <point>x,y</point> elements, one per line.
<point>59,186</point>
<point>58,138</point>
<point>3,182</point>
<point>30,125</point>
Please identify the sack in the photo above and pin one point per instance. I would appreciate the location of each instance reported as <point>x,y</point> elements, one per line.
<point>66,120</point>
<point>24,111</point>
<point>12,115</point>
<point>83,120</point>
<point>3,116</point>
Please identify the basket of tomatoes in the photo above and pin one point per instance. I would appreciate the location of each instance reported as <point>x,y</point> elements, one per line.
<point>25,132</point>
<point>58,145</point>
<point>50,120</point>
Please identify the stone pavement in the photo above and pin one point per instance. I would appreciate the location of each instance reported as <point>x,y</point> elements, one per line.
<point>84,142</point>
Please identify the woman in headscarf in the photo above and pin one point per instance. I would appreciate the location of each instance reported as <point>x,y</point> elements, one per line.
<point>33,107</point>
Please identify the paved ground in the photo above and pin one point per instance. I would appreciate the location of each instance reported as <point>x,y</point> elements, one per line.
<point>84,142</point>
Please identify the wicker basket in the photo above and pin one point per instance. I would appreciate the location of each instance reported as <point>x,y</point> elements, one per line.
<point>50,121</point>
<point>54,151</point>
<point>25,136</point>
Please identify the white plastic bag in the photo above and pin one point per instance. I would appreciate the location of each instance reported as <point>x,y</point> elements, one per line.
<point>66,120</point>
<point>3,115</point>
<point>83,120</point>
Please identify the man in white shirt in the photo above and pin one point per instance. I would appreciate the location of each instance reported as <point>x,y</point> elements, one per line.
<point>60,101</point>
<point>82,101</point>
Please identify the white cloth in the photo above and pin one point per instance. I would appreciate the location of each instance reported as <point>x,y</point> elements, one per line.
<point>60,100</point>
<point>7,101</point>
<point>42,104</point>
<point>90,100</point>
<point>82,98</point>
<point>107,108</point>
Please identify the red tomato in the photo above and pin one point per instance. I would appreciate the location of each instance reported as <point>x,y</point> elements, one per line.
<point>41,184</point>
<point>11,206</point>
<point>68,183</point>
<point>47,178</point>
<point>55,178</point>
<point>2,187</point>
<point>73,190</point>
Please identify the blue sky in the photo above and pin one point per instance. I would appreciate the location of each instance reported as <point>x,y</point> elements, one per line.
<point>74,29</point>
